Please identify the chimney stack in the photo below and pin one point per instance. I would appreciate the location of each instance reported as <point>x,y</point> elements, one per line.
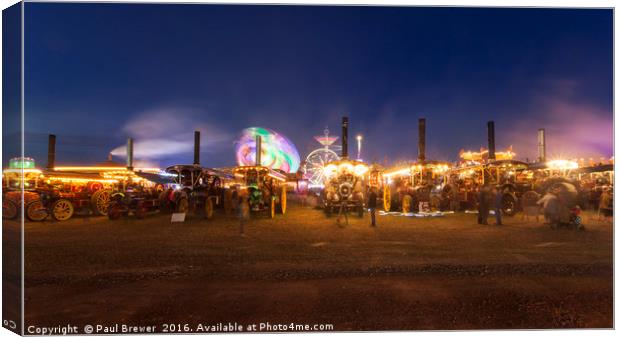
<point>130,154</point>
<point>345,135</point>
<point>51,152</point>
<point>259,145</point>
<point>421,139</point>
<point>196,147</point>
<point>491,136</point>
<point>542,146</point>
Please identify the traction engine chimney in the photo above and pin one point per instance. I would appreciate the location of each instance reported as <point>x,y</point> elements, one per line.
<point>130,154</point>
<point>196,147</point>
<point>345,135</point>
<point>491,139</point>
<point>421,139</point>
<point>542,146</point>
<point>259,145</point>
<point>51,152</point>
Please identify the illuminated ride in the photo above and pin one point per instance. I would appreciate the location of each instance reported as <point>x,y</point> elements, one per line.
<point>313,166</point>
<point>277,151</point>
<point>264,187</point>
<point>346,182</point>
<point>198,189</point>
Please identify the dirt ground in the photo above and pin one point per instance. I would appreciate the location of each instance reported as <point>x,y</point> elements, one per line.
<point>406,274</point>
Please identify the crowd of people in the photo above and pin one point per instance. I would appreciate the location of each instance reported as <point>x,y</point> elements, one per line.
<point>556,205</point>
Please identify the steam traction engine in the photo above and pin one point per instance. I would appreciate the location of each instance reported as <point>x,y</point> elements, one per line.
<point>411,185</point>
<point>346,181</point>
<point>200,189</point>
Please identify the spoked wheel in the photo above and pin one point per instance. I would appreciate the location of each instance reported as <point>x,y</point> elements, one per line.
<point>100,201</point>
<point>283,200</point>
<point>183,205</point>
<point>9,209</point>
<point>509,204</point>
<point>272,208</point>
<point>387,198</point>
<point>35,211</point>
<point>407,201</point>
<point>209,208</point>
<point>62,210</point>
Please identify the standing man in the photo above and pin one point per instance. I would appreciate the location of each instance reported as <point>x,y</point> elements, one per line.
<point>483,205</point>
<point>372,205</point>
<point>498,206</point>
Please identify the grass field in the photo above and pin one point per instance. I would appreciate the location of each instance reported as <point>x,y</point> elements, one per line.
<point>408,273</point>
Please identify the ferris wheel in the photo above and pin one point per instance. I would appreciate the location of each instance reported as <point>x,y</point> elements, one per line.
<point>316,160</point>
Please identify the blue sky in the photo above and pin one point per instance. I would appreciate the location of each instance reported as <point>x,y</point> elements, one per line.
<point>98,73</point>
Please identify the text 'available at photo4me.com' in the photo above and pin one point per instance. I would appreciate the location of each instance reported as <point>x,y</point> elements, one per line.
<point>114,328</point>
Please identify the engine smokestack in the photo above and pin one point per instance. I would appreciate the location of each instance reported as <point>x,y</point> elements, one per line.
<point>196,147</point>
<point>421,139</point>
<point>345,137</point>
<point>130,154</point>
<point>491,136</point>
<point>51,152</point>
<point>542,146</point>
<point>259,145</point>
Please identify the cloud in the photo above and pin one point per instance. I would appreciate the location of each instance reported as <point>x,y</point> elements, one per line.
<point>167,132</point>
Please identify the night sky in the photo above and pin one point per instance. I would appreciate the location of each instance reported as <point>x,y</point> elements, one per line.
<point>96,74</point>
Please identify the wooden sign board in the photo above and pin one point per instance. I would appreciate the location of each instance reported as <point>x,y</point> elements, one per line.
<point>178,217</point>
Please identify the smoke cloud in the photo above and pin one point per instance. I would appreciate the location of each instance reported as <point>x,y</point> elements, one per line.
<point>573,130</point>
<point>167,132</point>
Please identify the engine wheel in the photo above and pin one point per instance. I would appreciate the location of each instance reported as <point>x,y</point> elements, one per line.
<point>9,209</point>
<point>182,205</point>
<point>35,211</point>
<point>387,198</point>
<point>509,204</point>
<point>62,209</point>
<point>209,208</point>
<point>100,202</point>
<point>407,201</point>
<point>435,203</point>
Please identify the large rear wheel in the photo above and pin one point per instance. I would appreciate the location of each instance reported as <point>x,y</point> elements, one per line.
<point>407,203</point>
<point>35,211</point>
<point>9,209</point>
<point>62,209</point>
<point>100,201</point>
<point>182,205</point>
<point>387,198</point>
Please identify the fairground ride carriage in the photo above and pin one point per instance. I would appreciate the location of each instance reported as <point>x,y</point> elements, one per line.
<point>346,181</point>
<point>199,189</point>
<point>265,187</point>
<point>409,185</point>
